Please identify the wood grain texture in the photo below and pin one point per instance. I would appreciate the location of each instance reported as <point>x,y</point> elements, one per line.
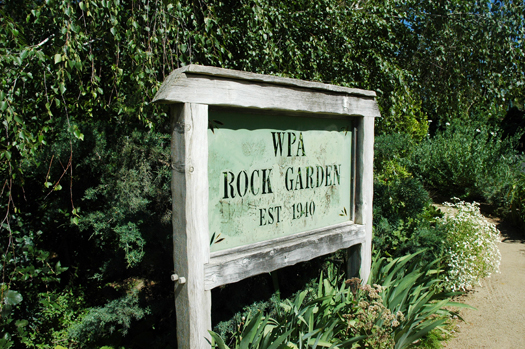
<point>184,86</point>
<point>194,69</point>
<point>239,263</point>
<point>189,150</point>
<point>364,188</point>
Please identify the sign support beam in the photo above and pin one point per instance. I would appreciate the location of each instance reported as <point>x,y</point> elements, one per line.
<point>364,190</point>
<point>189,156</point>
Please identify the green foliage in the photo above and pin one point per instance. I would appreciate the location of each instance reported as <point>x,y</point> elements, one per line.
<point>97,248</point>
<point>406,115</point>
<point>403,305</point>
<point>312,319</point>
<point>31,271</point>
<point>132,191</point>
<point>399,199</point>
<point>55,312</point>
<point>436,338</point>
<point>264,293</point>
<point>116,315</point>
<point>421,233</point>
<point>467,160</point>
<point>412,288</point>
<point>390,151</point>
<point>231,326</point>
<point>467,56</point>
<point>516,200</point>
<point>404,220</point>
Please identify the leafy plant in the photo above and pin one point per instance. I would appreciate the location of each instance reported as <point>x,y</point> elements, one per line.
<point>516,200</point>
<point>412,235</point>
<point>117,315</point>
<point>467,160</point>
<point>312,319</point>
<point>413,289</point>
<point>404,220</point>
<point>390,151</point>
<point>399,199</point>
<point>402,303</point>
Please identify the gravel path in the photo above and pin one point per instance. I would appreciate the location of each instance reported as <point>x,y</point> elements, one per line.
<point>499,321</point>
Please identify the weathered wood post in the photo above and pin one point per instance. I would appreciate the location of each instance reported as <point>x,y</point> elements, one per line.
<point>365,190</point>
<point>189,156</point>
<point>267,172</point>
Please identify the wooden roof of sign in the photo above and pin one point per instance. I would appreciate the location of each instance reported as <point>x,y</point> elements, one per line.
<point>231,88</point>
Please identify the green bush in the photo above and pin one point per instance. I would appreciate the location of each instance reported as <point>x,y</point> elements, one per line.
<point>31,273</point>
<point>405,220</point>
<point>115,316</point>
<point>415,234</point>
<point>390,150</point>
<point>516,201</point>
<point>83,241</point>
<point>399,199</point>
<point>468,160</point>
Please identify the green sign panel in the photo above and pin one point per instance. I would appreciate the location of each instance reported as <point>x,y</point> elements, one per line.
<point>272,176</point>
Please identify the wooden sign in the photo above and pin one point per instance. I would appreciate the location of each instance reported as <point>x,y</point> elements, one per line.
<point>267,172</point>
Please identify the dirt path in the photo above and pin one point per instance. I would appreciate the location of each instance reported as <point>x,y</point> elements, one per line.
<point>499,322</point>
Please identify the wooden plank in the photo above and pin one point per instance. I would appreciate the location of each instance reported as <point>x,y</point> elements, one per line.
<point>239,263</point>
<point>220,91</point>
<point>253,77</point>
<point>364,188</point>
<point>189,153</point>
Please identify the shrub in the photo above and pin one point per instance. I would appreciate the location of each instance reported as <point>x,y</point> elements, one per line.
<point>115,316</point>
<point>403,216</point>
<point>389,153</point>
<point>405,221</point>
<point>467,160</point>
<point>420,234</point>
<point>399,199</point>
<point>471,250</point>
<point>516,201</point>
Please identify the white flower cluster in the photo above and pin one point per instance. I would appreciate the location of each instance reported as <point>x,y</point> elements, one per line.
<point>471,248</point>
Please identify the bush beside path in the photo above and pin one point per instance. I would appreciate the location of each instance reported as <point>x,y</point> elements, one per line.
<point>499,319</point>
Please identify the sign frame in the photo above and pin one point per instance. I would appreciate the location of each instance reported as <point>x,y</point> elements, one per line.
<point>193,91</point>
